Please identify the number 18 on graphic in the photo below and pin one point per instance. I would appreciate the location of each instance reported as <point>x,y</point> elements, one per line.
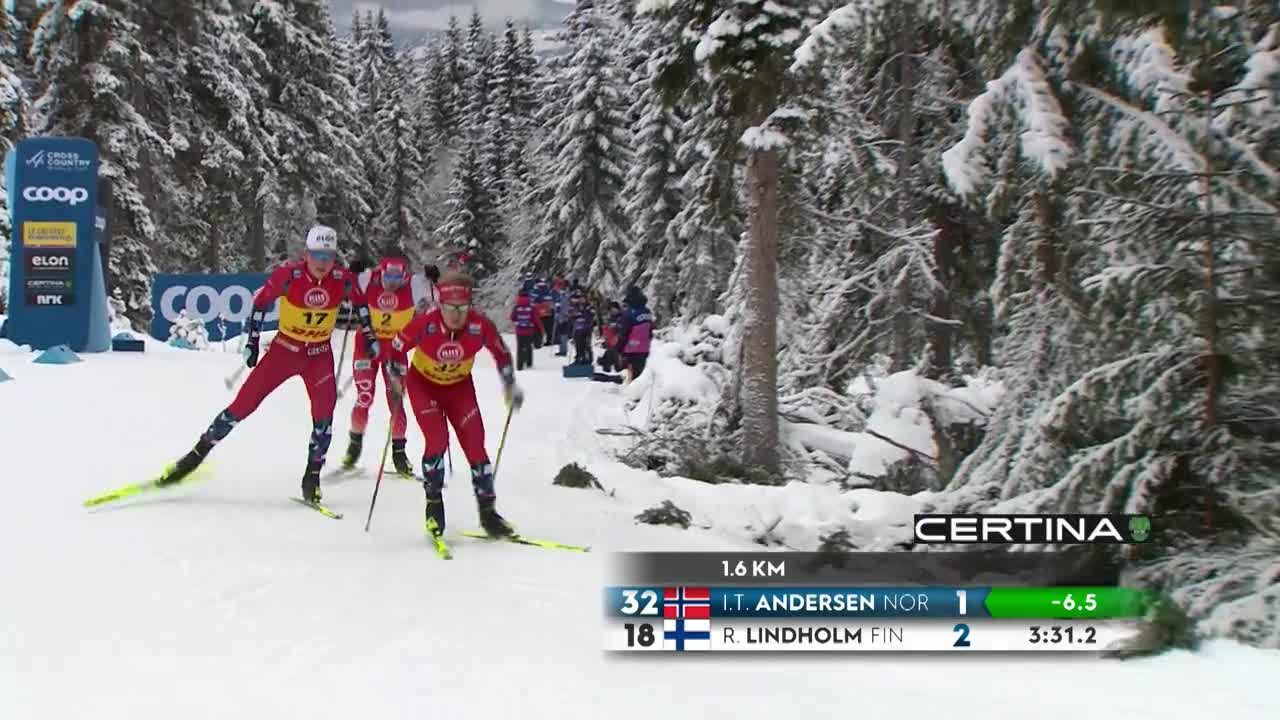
<point>684,618</point>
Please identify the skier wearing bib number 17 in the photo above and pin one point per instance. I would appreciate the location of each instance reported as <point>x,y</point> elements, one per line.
<point>393,294</point>
<point>310,291</point>
<point>445,342</point>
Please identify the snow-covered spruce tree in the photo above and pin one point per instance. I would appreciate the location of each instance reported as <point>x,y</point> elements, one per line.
<point>374,56</point>
<point>1140,322</point>
<point>99,106</point>
<point>13,119</point>
<point>318,171</point>
<point>207,93</point>
<point>400,168</point>
<point>652,192</point>
<point>747,47</point>
<point>584,230</point>
<point>472,224</point>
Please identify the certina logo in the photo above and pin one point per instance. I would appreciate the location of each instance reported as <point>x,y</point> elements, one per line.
<point>316,297</point>
<point>450,352</point>
<point>70,196</point>
<point>62,161</point>
<point>1025,529</point>
<point>387,302</point>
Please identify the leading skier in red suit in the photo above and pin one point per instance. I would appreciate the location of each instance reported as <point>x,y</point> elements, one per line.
<point>310,291</point>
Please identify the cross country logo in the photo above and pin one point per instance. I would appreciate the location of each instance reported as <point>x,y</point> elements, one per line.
<point>387,302</point>
<point>450,352</point>
<point>316,297</point>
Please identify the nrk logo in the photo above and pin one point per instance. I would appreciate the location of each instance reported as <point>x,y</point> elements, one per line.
<point>61,161</point>
<point>387,302</point>
<point>450,352</point>
<point>51,300</point>
<point>316,297</point>
<point>70,196</point>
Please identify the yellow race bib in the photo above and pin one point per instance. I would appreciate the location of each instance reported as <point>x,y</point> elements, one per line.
<point>306,325</point>
<point>442,373</point>
<point>387,324</point>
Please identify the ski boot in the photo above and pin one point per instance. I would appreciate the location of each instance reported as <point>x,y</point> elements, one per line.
<point>353,450</point>
<point>435,514</point>
<point>186,464</point>
<point>311,485</point>
<point>433,484</point>
<point>493,523</point>
<point>400,459</point>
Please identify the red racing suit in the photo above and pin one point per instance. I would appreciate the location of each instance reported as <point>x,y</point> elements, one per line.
<point>390,311</point>
<point>308,314</point>
<point>439,383</point>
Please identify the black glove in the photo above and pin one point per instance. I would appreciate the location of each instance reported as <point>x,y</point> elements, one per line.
<point>253,332</point>
<point>251,352</point>
<point>358,265</point>
<point>366,331</point>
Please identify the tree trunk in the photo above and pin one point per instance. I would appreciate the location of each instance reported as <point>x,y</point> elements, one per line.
<point>902,350</point>
<point>758,389</point>
<point>940,333</point>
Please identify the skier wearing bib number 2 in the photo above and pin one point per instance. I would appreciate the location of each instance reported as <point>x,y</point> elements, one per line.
<point>437,379</point>
<point>393,294</point>
<point>310,291</point>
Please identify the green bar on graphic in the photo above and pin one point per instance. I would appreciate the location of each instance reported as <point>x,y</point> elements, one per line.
<point>1067,602</point>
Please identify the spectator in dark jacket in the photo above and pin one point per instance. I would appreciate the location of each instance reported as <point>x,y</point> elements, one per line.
<point>583,325</point>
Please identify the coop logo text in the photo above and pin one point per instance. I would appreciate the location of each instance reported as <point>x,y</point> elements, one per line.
<point>205,304</point>
<point>65,195</point>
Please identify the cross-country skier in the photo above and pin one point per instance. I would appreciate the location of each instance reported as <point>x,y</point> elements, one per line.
<point>528,328</point>
<point>438,382</point>
<point>310,291</point>
<point>393,296</point>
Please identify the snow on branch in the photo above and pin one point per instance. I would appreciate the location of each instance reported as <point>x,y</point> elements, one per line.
<point>1044,141</point>
<point>845,17</point>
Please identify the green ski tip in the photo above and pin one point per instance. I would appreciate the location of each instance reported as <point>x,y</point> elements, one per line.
<point>441,547</point>
<point>318,508</point>
<point>532,542</point>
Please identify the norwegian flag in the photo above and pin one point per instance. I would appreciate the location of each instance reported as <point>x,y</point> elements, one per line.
<point>686,623</point>
<point>686,602</point>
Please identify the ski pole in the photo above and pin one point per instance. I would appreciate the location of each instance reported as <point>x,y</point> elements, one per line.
<point>503,441</point>
<point>343,352</point>
<point>230,380</point>
<point>378,483</point>
<point>346,385</point>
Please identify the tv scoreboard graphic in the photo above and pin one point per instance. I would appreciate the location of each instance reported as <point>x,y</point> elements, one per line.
<point>756,603</point>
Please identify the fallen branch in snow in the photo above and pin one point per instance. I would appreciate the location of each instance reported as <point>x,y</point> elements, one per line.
<point>926,459</point>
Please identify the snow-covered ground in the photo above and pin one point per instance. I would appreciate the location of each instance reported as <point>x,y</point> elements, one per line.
<point>224,599</point>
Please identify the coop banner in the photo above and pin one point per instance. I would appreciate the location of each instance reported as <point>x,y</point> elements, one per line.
<point>221,302</point>
<point>56,290</point>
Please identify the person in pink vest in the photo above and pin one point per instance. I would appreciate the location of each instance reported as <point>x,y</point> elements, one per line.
<point>635,333</point>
